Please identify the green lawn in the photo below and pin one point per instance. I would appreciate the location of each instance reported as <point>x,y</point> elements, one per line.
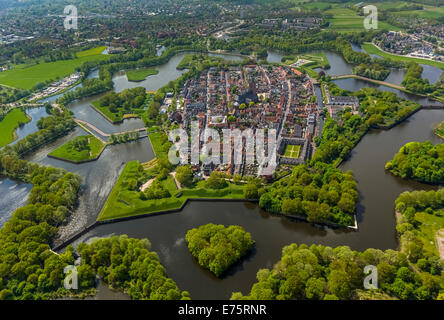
<point>124,203</point>
<point>292,151</point>
<point>140,74</point>
<point>430,225</point>
<point>26,78</point>
<point>371,49</point>
<point>347,20</point>
<point>156,140</point>
<point>9,124</point>
<point>91,150</point>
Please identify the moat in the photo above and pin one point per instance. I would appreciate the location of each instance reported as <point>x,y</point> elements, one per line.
<point>378,190</point>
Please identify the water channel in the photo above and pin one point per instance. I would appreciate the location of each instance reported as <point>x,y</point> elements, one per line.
<point>378,191</point>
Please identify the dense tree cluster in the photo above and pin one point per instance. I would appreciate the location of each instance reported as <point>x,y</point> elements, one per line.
<point>320,193</point>
<point>380,110</point>
<point>371,70</point>
<point>128,264</point>
<point>184,175</point>
<point>51,128</point>
<point>414,82</point>
<point>127,100</point>
<point>28,269</point>
<point>421,161</point>
<point>124,137</point>
<point>217,247</point>
<point>217,180</point>
<point>322,273</point>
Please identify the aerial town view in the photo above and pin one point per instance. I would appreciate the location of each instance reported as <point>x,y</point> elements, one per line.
<point>221,150</point>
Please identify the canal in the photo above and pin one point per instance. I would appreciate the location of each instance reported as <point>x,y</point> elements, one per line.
<point>378,190</point>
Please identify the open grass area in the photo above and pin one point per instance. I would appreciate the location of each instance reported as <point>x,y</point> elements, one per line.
<point>440,130</point>
<point>123,202</point>
<point>140,74</point>
<point>372,49</point>
<point>79,149</point>
<point>347,20</point>
<point>429,227</point>
<point>9,124</point>
<point>292,151</point>
<point>28,77</point>
<point>157,140</point>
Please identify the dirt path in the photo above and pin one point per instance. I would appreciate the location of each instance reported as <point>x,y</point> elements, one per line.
<point>177,182</point>
<point>146,185</point>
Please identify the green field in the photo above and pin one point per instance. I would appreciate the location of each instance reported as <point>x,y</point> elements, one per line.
<point>371,49</point>
<point>347,20</point>
<point>28,77</point>
<point>140,74</point>
<point>75,151</point>
<point>292,151</point>
<point>124,203</point>
<point>9,124</point>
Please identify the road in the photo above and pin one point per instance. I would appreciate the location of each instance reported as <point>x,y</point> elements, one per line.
<point>387,84</point>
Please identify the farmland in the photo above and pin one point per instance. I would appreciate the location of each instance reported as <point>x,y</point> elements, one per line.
<point>27,77</point>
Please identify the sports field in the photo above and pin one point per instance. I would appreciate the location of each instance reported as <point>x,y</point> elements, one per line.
<point>27,77</point>
<point>292,151</point>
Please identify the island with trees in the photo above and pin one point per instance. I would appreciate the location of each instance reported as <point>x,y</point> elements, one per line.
<point>118,106</point>
<point>80,149</point>
<point>217,247</point>
<point>320,193</point>
<point>140,74</point>
<point>420,161</point>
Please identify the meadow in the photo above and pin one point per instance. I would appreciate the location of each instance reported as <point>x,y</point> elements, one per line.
<point>27,77</point>
<point>372,49</point>
<point>347,20</point>
<point>9,124</point>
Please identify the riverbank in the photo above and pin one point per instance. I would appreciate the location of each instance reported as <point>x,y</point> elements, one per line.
<point>371,48</point>
<point>8,126</point>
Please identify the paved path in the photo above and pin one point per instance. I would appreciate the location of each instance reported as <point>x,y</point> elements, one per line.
<point>387,84</point>
<point>103,133</point>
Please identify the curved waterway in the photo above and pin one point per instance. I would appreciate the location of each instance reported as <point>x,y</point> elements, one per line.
<point>378,190</point>
<point>98,177</point>
<point>30,127</point>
